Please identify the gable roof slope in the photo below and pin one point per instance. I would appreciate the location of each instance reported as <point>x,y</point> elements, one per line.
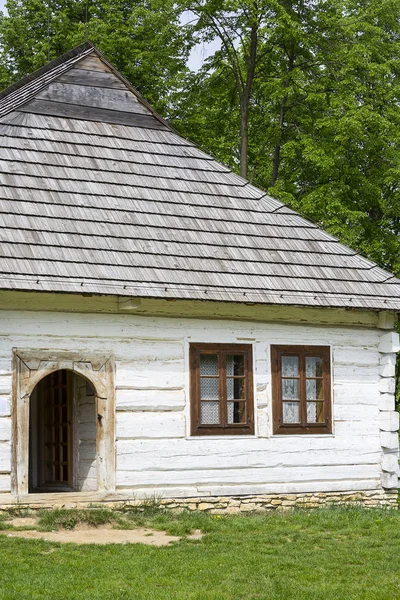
<point>99,195</point>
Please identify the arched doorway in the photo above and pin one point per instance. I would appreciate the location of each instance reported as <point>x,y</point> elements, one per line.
<point>62,434</point>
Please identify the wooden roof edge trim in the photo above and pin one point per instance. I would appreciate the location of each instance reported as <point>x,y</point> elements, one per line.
<point>79,51</point>
<point>133,292</point>
<point>197,286</point>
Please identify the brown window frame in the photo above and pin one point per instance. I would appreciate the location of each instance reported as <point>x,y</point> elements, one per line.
<point>222,428</point>
<point>277,404</point>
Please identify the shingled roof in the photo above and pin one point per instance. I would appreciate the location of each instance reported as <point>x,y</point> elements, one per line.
<point>99,195</point>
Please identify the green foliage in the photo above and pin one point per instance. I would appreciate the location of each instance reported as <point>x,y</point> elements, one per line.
<point>69,518</point>
<point>143,38</point>
<point>323,117</point>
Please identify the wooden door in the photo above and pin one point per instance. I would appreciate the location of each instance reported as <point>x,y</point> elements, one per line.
<point>55,427</point>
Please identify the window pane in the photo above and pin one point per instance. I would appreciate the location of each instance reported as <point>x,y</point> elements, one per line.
<point>208,364</point>
<point>209,388</point>
<point>314,389</point>
<point>209,413</point>
<point>235,365</point>
<point>315,412</point>
<point>313,366</point>
<point>236,412</point>
<point>290,366</point>
<point>290,389</point>
<point>291,412</point>
<point>235,389</point>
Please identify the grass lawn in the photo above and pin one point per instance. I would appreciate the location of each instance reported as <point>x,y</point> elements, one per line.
<point>340,554</point>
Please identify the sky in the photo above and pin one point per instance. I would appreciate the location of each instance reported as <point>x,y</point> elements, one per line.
<point>197,56</point>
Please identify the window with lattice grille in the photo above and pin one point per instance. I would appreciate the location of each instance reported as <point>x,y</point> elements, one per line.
<point>221,389</point>
<point>301,389</point>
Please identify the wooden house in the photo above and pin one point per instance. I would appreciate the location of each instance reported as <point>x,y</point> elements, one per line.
<point>167,329</point>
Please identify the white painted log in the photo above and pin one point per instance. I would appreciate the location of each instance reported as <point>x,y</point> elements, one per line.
<point>386,320</point>
<point>87,469</point>
<point>82,328</point>
<point>150,425</point>
<point>87,450</point>
<point>390,463</point>
<point>356,373</point>
<point>390,481</point>
<point>387,385</point>
<point>386,402</point>
<point>5,409</point>
<point>5,457</point>
<point>87,431</point>
<point>87,485</point>
<point>360,357</point>
<point>387,365</point>
<point>5,484</point>
<point>5,429</point>
<point>346,428</point>
<point>389,420</point>
<point>151,374</point>
<point>248,475</point>
<point>262,423</point>
<point>87,412</point>
<point>355,392</point>
<point>150,400</point>
<point>389,342</point>
<point>232,447</point>
<point>5,384</point>
<point>373,484</point>
<point>389,440</point>
<point>356,412</point>
<point>153,461</point>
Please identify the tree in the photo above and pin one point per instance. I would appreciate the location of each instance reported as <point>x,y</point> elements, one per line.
<point>323,118</point>
<point>143,38</point>
<point>239,26</point>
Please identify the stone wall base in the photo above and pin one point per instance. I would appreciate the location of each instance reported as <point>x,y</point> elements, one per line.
<point>237,504</point>
<point>216,504</point>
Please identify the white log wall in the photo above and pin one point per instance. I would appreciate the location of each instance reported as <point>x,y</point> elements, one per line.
<point>155,453</point>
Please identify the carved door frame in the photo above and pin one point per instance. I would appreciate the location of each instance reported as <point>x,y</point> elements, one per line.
<point>29,367</point>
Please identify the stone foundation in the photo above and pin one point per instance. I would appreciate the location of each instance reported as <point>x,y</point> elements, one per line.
<point>231,505</point>
<point>220,504</point>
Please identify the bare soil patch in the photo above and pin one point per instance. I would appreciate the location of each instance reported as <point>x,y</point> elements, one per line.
<point>99,535</point>
<point>22,521</point>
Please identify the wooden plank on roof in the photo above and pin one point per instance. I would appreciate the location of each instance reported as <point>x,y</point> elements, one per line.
<point>92,78</point>
<point>86,113</point>
<point>278,253</point>
<point>143,154</point>
<point>119,100</point>
<point>93,63</point>
<point>196,264</point>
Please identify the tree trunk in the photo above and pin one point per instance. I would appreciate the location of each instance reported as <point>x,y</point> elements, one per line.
<point>245,101</point>
<point>277,149</point>
<point>244,138</point>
